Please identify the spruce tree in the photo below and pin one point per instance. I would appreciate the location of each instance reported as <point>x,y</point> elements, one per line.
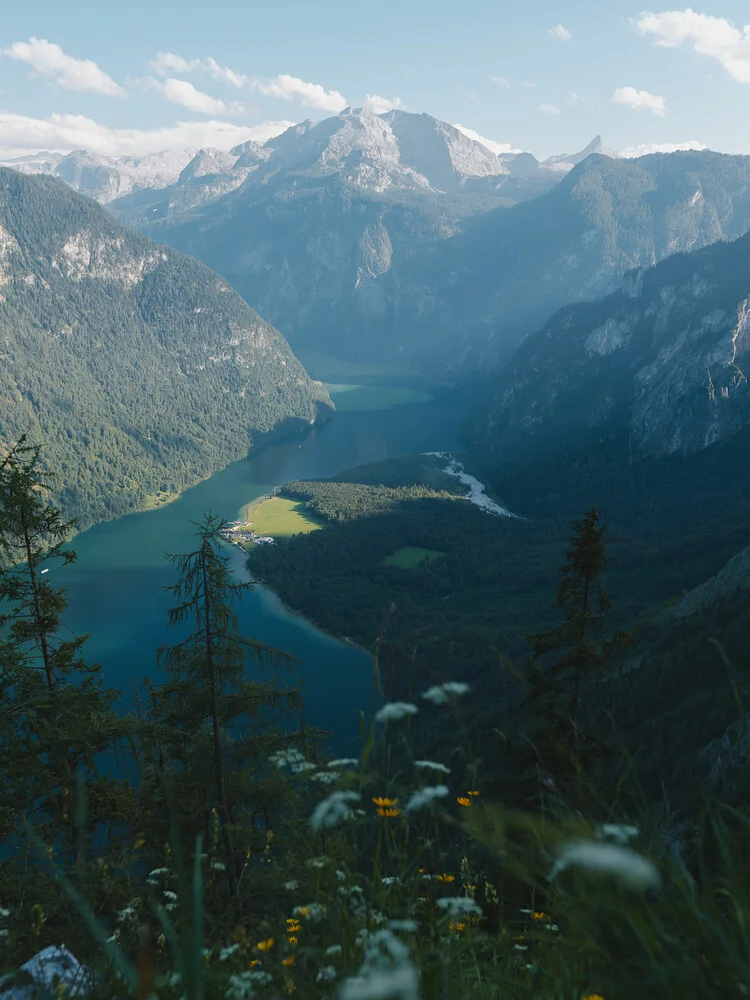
<point>215,726</point>
<point>572,653</point>
<point>56,719</point>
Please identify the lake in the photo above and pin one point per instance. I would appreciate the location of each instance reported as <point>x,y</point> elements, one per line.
<point>116,590</point>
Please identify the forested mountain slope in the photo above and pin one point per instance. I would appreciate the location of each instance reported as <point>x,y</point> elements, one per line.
<point>137,368</point>
<point>663,359</point>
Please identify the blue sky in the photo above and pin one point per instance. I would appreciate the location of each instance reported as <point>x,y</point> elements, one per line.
<point>539,75</point>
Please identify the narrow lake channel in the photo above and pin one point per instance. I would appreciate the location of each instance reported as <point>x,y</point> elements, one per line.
<point>115,590</point>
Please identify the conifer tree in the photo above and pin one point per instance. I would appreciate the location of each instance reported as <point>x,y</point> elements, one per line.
<point>215,725</point>
<point>56,719</point>
<point>564,657</point>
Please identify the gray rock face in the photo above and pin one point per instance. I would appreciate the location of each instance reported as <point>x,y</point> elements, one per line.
<point>666,357</point>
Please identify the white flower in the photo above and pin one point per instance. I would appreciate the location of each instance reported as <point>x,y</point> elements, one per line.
<point>343,762</point>
<point>456,905</point>
<point>302,766</point>
<point>424,796</point>
<point>341,876</point>
<point>394,711</point>
<point>440,693</point>
<point>320,862</point>
<point>168,894</point>
<point>432,765</point>
<point>399,983</point>
<point>325,777</point>
<point>282,758</point>
<point>171,906</point>
<point>403,925</point>
<point>391,880</point>
<point>227,952</point>
<point>621,833</point>
<point>326,974</point>
<point>627,867</point>
<point>313,911</point>
<point>126,914</point>
<point>158,871</point>
<point>520,947</point>
<point>332,810</point>
<point>218,866</point>
<point>334,949</point>
<point>291,885</point>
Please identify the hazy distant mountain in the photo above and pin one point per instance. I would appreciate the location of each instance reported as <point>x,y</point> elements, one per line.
<point>665,357</point>
<point>564,162</point>
<point>137,368</point>
<point>105,178</point>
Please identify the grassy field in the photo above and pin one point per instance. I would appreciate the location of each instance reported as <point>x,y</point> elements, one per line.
<point>159,499</point>
<point>411,557</point>
<point>374,397</point>
<point>280,518</point>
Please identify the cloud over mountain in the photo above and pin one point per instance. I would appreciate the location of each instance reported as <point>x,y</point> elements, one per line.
<point>49,59</point>
<point>640,100</point>
<point>183,92</point>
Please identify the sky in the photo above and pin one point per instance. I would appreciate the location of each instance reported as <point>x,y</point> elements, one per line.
<point>541,75</point>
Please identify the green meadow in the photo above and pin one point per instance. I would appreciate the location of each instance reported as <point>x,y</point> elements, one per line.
<point>278,517</point>
<point>411,557</point>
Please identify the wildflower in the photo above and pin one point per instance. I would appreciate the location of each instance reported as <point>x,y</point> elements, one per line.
<point>341,876</point>
<point>400,982</point>
<point>343,762</point>
<point>158,871</point>
<point>426,795</point>
<point>592,996</point>
<point>403,925</point>
<point>265,945</point>
<point>293,939</point>
<point>440,693</point>
<point>432,766</point>
<point>218,866</point>
<point>394,711</point>
<point>456,928</point>
<point>282,758</point>
<point>630,869</point>
<point>380,801</point>
<point>620,833</point>
<point>302,766</point>
<point>539,915</point>
<point>473,792</point>
<point>254,962</point>
<point>463,801</point>
<point>227,952</point>
<point>456,905</point>
<point>332,810</point>
<point>313,911</point>
<point>520,947</point>
<point>168,894</point>
<point>325,777</point>
<point>170,906</point>
<point>320,862</point>
<point>139,842</point>
<point>389,813</point>
<point>289,960</point>
<point>291,885</point>
<point>126,914</point>
<point>326,974</point>
<point>334,949</point>
<point>391,880</point>
<point>446,878</point>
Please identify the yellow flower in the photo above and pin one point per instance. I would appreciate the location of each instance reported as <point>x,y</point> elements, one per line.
<point>462,801</point>
<point>473,792</point>
<point>456,928</point>
<point>304,911</point>
<point>384,803</point>
<point>292,926</point>
<point>254,962</point>
<point>293,939</point>
<point>592,996</point>
<point>265,945</point>
<point>389,812</point>
<point>140,842</point>
<point>539,915</point>
<point>289,960</point>
<point>421,871</point>
<point>446,878</point>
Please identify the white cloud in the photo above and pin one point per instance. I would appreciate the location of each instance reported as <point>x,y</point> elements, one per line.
<point>166,63</point>
<point>560,32</point>
<point>379,105</point>
<point>710,36</point>
<point>309,95</point>
<point>495,147</point>
<point>549,109</point>
<point>660,147</point>
<point>185,94</point>
<point>641,100</point>
<point>49,59</point>
<point>502,81</point>
<point>20,134</point>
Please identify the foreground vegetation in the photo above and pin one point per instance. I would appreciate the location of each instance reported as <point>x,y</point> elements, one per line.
<point>207,845</point>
